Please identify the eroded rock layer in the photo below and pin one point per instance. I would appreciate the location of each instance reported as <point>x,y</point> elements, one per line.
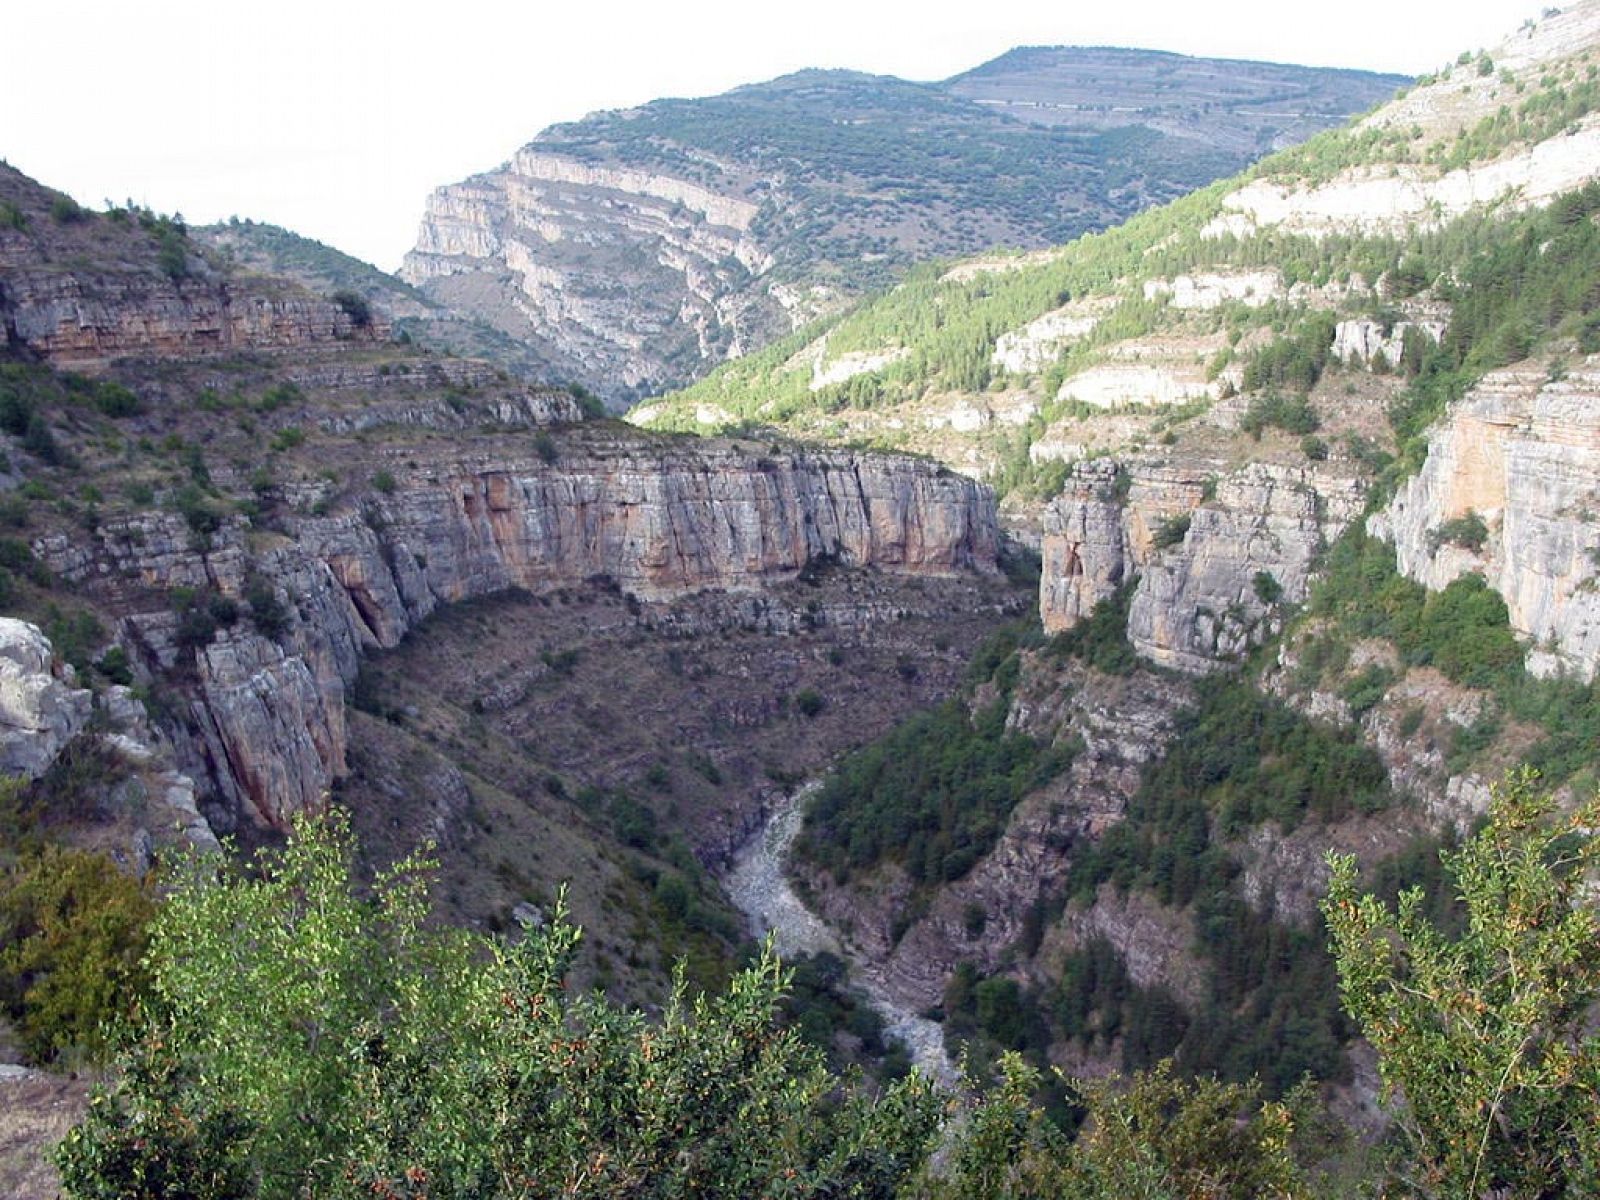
<point>657,517</point>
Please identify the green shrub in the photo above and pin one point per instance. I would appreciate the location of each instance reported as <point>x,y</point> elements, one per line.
<point>1101,639</point>
<point>115,400</point>
<point>72,936</point>
<point>269,614</point>
<point>355,306</point>
<point>320,1043</point>
<point>1483,1031</point>
<point>809,702</point>
<point>1171,532</point>
<point>1266,587</point>
<point>1467,531</point>
<point>1290,413</point>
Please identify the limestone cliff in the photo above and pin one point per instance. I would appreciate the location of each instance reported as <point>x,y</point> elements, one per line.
<point>1521,454</point>
<point>659,517</point>
<point>1214,558</point>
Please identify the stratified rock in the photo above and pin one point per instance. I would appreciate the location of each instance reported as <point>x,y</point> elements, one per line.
<point>1522,452</point>
<point>659,518</point>
<point>1215,595</point>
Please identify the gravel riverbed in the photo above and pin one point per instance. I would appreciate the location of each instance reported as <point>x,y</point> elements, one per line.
<point>759,888</point>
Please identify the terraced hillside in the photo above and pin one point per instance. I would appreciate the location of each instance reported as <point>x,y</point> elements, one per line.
<point>636,249</point>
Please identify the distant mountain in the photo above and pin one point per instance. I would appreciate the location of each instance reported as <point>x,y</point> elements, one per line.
<point>1234,106</point>
<point>636,249</point>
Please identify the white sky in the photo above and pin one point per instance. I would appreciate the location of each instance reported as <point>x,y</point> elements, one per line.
<point>337,117</point>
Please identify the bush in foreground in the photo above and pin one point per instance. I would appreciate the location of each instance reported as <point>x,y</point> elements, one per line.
<point>304,1040</point>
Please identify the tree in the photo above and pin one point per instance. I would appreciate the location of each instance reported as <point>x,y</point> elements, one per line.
<point>1148,1137</point>
<point>72,933</point>
<point>303,1038</point>
<point>1485,1041</point>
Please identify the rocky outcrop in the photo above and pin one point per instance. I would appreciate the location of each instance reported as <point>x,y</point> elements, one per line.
<point>1040,342</point>
<point>1373,344</point>
<point>41,706</point>
<point>72,317</point>
<point>1521,453</point>
<point>1212,289</point>
<point>1215,558</point>
<point>626,279</point>
<point>1217,593</point>
<point>658,518</point>
<point>43,712</point>
<point>1122,725</point>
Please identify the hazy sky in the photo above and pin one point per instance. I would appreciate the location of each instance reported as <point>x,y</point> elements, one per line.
<point>337,117</point>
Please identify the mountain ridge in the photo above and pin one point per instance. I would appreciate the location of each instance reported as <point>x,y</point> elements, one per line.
<point>642,245</point>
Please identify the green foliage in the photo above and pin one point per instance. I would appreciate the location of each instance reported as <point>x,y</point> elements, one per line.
<point>1511,283</point>
<point>809,702</point>
<point>64,210</point>
<point>932,795</point>
<point>355,306</point>
<point>115,400</point>
<point>1467,531</point>
<point>383,481</point>
<point>1150,1137</point>
<point>160,1136</point>
<point>203,514</point>
<point>1171,532</point>
<point>72,933</point>
<point>1266,587</point>
<point>267,611</point>
<point>201,612</point>
<point>1101,640</point>
<point>320,1043</point>
<point>1295,361</point>
<point>279,395</point>
<point>1484,1036</point>
<point>1097,1005</point>
<point>1290,413</point>
<point>76,634</point>
<point>1463,630</point>
<point>1268,1008</point>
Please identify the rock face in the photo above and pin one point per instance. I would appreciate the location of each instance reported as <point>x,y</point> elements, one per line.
<point>74,318</point>
<point>1363,341</point>
<point>93,287</point>
<point>636,294</point>
<point>1522,453</point>
<point>1214,557</point>
<point>659,518</point>
<point>41,708</point>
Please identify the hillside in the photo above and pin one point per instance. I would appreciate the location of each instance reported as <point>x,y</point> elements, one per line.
<point>636,249</point>
<point>271,250</point>
<point>1312,459</point>
<point>1240,108</point>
